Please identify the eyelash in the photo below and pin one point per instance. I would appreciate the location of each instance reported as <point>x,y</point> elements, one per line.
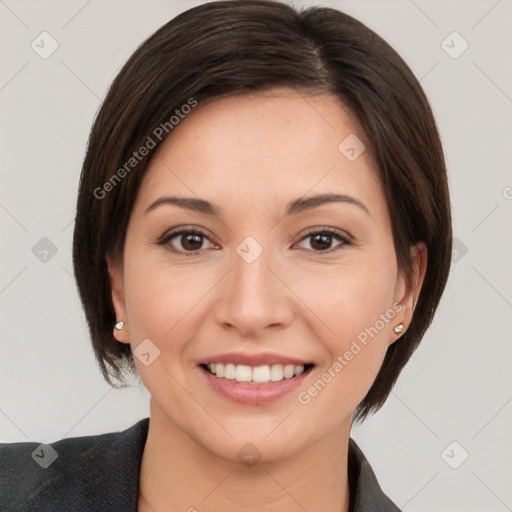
<point>334,233</point>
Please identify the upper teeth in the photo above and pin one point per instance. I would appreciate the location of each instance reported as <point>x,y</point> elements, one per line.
<point>244,373</point>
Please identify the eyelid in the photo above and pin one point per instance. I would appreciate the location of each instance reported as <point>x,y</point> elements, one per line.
<point>174,232</point>
<point>345,240</point>
<point>325,229</point>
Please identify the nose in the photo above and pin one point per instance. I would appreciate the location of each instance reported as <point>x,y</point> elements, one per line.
<point>253,297</point>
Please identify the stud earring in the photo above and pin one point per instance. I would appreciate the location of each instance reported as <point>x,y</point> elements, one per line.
<point>119,326</point>
<point>398,329</point>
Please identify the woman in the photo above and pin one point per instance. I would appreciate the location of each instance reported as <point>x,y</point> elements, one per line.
<point>263,235</point>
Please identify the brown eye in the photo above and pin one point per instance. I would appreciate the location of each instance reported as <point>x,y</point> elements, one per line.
<point>190,241</point>
<point>321,241</point>
<point>184,242</point>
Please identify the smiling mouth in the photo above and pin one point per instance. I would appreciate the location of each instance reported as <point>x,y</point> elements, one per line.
<point>256,374</point>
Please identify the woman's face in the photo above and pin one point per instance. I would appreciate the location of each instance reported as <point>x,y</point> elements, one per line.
<point>260,284</point>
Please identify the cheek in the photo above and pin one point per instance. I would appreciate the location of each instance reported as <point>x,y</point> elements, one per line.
<point>351,298</point>
<point>356,305</point>
<point>364,300</point>
<point>163,301</point>
<point>156,299</point>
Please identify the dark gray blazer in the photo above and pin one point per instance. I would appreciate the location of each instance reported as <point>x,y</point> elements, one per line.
<point>101,474</point>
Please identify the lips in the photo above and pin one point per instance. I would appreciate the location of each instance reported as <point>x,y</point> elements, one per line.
<point>254,379</point>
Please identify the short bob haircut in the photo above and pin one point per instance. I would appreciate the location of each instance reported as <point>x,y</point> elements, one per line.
<point>233,47</point>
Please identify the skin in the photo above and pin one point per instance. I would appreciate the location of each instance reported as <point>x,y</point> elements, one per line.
<point>251,155</point>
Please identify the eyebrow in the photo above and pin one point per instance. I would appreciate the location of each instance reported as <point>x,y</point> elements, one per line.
<point>292,208</point>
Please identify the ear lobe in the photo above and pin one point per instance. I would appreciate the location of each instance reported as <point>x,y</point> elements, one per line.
<point>115,273</point>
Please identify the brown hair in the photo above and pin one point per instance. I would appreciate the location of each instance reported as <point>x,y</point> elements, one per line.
<point>233,47</point>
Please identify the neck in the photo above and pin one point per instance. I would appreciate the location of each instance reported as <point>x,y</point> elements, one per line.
<point>177,473</point>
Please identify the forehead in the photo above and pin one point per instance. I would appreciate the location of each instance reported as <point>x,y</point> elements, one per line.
<point>265,147</point>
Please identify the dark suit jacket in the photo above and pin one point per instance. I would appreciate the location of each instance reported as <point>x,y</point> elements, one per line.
<point>101,473</point>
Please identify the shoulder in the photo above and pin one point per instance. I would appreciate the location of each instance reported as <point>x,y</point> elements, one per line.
<point>366,494</point>
<point>71,474</point>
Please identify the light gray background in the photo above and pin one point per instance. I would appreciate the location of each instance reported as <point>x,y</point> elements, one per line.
<point>457,386</point>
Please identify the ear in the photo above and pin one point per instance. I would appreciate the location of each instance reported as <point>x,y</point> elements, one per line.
<point>115,272</point>
<point>406,294</point>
